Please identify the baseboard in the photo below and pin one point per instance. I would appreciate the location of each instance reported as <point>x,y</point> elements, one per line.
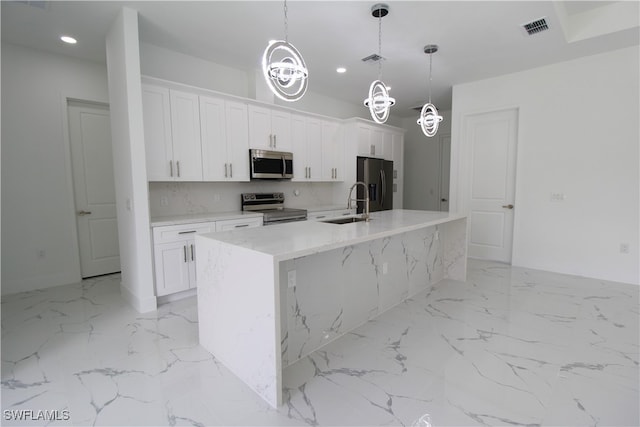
<point>141,305</point>
<point>39,282</point>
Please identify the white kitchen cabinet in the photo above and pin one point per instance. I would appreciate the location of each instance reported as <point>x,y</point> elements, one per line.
<point>225,140</point>
<point>269,129</point>
<point>172,134</point>
<point>370,141</point>
<point>234,224</point>
<point>306,135</point>
<point>332,152</point>
<point>175,256</point>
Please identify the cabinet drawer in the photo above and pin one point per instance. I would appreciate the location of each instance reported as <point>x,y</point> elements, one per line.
<point>172,233</point>
<point>233,224</point>
<point>322,215</point>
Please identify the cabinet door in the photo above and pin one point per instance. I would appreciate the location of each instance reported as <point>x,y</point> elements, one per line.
<point>377,143</point>
<point>299,148</point>
<point>387,145</point>
<point>260,128</point>
<point>237,141</point>
<point>214,139</point>
<point>281,130</point>
<point>185,129</point>
<point>157,132</point>
<point>172,267</point>
<point>332,152</point>
<point>315,153</point>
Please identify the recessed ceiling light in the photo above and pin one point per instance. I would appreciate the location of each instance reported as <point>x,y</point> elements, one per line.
<point>68,39</point>
<point>341,70</point>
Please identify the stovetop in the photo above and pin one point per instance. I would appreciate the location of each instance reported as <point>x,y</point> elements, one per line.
<point>271,205</point>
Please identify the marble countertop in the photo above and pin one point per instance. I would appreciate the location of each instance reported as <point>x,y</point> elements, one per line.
<point>297,239</point>
<point>200,217</point>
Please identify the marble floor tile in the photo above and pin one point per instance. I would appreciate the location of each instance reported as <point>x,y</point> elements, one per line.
<point>510,346</point>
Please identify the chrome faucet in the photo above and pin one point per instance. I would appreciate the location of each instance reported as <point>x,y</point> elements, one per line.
<point>365,214</point>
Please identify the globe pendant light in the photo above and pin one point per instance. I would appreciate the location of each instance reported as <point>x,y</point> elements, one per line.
<point>379,102</point>
<point>283,68</point>
<point>429,119</point>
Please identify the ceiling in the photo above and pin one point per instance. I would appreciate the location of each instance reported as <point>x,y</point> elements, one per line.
<point>477,39</point>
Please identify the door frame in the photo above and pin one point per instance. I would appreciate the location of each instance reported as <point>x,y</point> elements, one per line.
<point>76,273</point>
<point>459,186</point>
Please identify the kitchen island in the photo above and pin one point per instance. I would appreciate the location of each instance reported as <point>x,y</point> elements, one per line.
<point>270,296</point>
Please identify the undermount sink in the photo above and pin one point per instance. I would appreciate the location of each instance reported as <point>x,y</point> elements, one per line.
<point>349,220</point>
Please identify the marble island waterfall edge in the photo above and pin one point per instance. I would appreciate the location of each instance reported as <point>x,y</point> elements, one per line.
<point>259,312</point>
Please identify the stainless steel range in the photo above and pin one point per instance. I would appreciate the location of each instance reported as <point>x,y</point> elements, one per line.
<point>271,205</point>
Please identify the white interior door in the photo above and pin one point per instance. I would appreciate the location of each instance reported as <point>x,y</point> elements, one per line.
<point>94,188</point>
<point>445,170</point>
<point>492,138</point>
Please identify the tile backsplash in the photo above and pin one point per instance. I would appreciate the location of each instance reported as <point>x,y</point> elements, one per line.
<point>176,198</point>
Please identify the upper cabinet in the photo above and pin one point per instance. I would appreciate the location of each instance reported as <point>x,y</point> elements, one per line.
<point>194,138</point>
<point>172,134</point>
<point>332,152</point>
<point>269,129</point>
<point>225,139</point>
<point>317,149</point>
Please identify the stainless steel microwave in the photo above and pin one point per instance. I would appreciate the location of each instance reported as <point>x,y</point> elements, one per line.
<point>270,164</point>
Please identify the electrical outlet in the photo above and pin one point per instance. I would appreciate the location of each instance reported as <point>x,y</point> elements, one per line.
<point>216,197</point>
<point>624,248</point>
<point>41,254</point>
<point>558,197</point>
<point>385,267</point>
<point>164,201</point>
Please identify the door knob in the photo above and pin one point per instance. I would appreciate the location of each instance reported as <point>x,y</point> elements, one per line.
<point>443,200</point>
<point>508,206</point>
<point>83,213</point>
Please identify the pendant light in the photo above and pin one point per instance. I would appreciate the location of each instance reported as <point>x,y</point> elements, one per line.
<point>379,102</point>
<point>283,67</point>
<point>429,119</point>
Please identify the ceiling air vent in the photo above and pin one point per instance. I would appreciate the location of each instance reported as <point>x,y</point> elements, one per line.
<point>374,57</point>
<point>535,27</point>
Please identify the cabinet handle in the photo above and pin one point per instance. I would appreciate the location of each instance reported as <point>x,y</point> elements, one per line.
<point>271,140</point>
<point>241,225</point>
<point>83,213</point>
<point>275,141</point>
<point>186,232</point>
<point>184,249</point>
<point>225,170</point>
<point>321,216</point>
<point>230,170</point>
<point>192,252</point>
<point>170,167</point>
<point>178,167</point>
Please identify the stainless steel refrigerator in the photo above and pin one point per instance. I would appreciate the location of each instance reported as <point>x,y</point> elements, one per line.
<point>377,174</point>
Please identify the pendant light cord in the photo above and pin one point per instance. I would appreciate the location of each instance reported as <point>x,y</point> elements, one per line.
<point>430,62</point>
<point>380,45</point>
<point>286,23</point>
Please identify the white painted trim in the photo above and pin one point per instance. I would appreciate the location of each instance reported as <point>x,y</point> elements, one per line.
<point>39,282</point>
<point>140,305</point>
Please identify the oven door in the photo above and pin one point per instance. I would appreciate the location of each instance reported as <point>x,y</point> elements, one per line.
<point>271,164</point>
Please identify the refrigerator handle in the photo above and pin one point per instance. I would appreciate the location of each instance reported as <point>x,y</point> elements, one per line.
<point>382,185</point>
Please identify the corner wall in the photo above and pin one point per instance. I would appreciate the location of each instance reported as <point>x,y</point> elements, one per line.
<point>39,243</point>
<point>578,136</point>
<point>129,162</point>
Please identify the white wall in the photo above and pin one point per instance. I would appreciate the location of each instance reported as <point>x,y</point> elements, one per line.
<point>129,162</point>
<point>422,164</point>
<point>37,196</point>
<point>578,135</point>
<point>175,66</point>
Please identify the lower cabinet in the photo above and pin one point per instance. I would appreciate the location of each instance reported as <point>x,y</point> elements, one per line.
<point>174,251</point>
